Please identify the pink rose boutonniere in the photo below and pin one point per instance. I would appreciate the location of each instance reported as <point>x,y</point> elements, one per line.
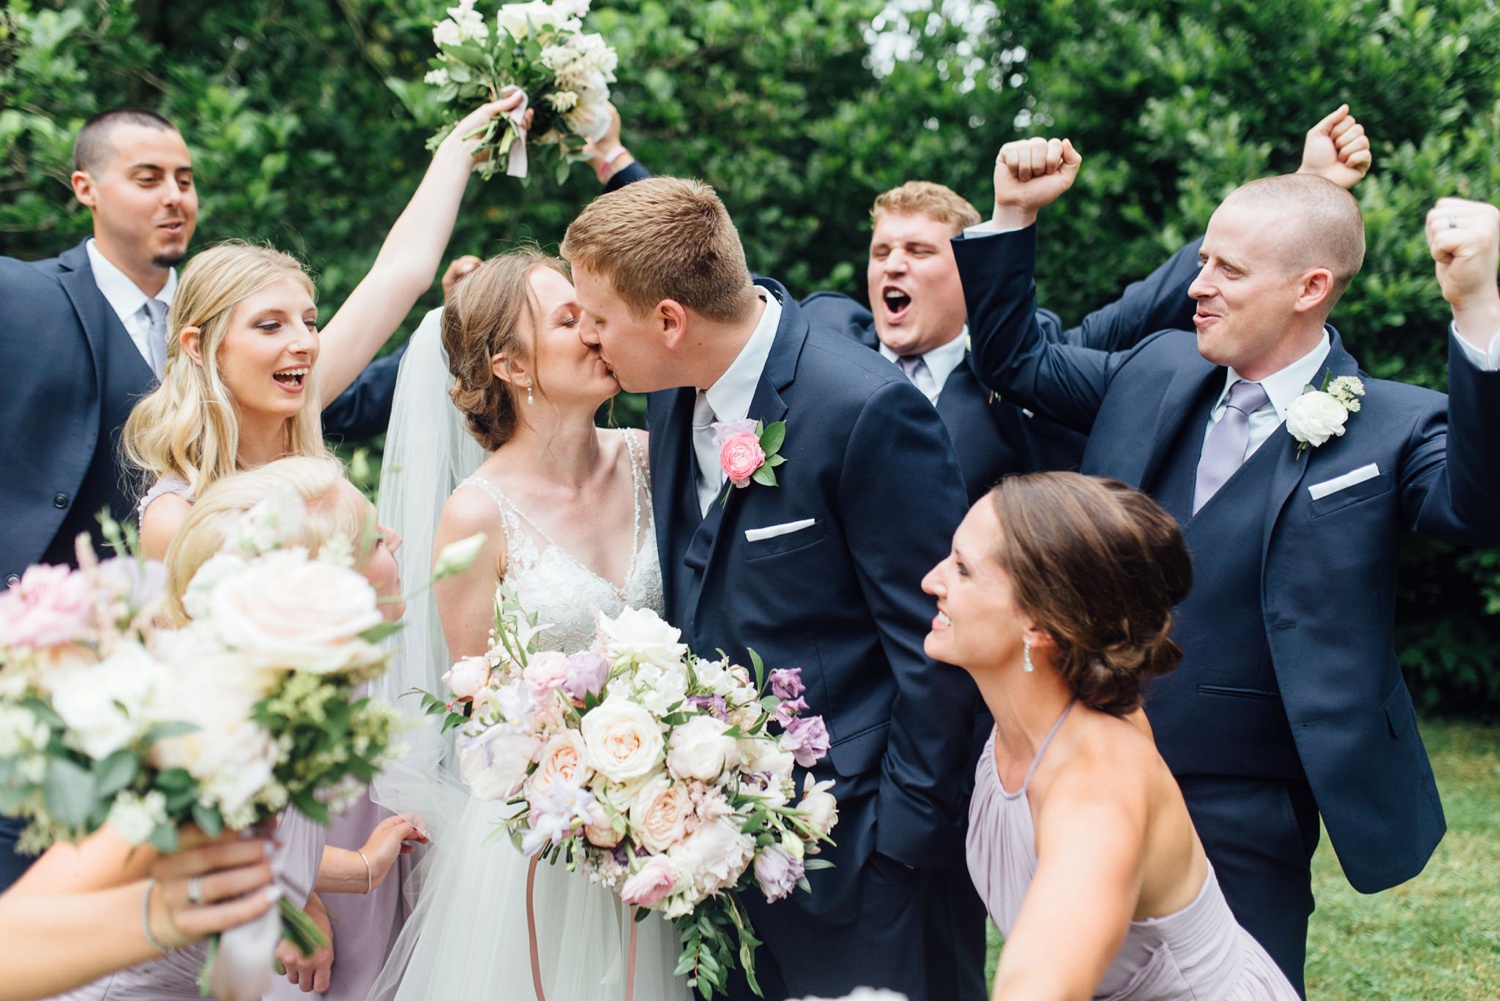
<point>748,450</point>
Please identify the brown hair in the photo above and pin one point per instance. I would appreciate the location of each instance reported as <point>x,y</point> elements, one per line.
<point>1321,224</point>
<point>926,198</point>
<point>482,319</point>
<point>664,238</point>
<point>1100,566</point>
<point>93,147</point>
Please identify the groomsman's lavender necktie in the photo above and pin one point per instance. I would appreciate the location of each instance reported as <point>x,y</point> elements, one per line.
<point>156,338</point>
<point>1224,448</point>
<point>915,367</point>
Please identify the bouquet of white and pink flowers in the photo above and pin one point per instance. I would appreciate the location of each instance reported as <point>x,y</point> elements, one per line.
<point>541,48</point>
<point>108,717</point>
<point>662,775</point>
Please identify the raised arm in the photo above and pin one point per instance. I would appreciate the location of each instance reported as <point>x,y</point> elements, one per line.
<point>408,260</point>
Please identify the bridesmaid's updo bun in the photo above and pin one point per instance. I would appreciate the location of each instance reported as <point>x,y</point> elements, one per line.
<point>1100,567</point>
<point>482,319</point>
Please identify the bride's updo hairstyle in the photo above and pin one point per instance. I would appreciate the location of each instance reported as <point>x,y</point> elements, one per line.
<point>482,319</point>
<point>189,427</point>
<point>1100,567</point>
<point>331,512</point>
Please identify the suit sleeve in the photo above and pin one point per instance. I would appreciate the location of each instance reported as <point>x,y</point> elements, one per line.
<point>1157,302</point>
<point>901,496</point>
<point>1009,348</point>
<point>364,409</point>
<point>1450,476</point>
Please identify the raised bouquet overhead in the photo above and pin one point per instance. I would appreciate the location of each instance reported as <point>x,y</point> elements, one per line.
<point>662,775</point>
<point>109,717</point>
<point>541,48</point>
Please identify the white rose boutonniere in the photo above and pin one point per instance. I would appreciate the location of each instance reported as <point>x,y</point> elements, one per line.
<point>1320,414</point>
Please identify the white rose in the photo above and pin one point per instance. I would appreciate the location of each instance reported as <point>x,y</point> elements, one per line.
<point>135,817</point>
<point>818,804</point>
<point>465,678</point>
<point>493,764</point>
<point>624,740</point>
<point>1315,417</point>
<point>714,856</point>
<point>640,635</point>
<point>658,817</point>
<point>699,750</point>
<point>296,613</point>
<point>104,705</point>
<point>564,758</point>
<point>766,756</point>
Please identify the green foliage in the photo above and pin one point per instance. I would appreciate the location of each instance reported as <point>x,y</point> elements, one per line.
<point>308,121</point>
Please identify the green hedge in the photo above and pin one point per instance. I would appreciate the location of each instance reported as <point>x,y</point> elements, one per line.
<point>308,132</point>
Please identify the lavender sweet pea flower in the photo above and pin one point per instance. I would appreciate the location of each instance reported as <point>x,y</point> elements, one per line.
<point>587,673</point>
<point>786,683</point>
<point>807,739</point>
<point>555,814</point>
<point>713,703</point>
<point>777,872</point>
<point>788,710</point>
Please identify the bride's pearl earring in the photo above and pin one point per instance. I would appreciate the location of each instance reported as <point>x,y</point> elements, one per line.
<point>529,399</point>
<point>1027,665</point>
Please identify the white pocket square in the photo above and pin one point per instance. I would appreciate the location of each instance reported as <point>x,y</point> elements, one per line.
<point>1344,482</point>
<point>771,531</point>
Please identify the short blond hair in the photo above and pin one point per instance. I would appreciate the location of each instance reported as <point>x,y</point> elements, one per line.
<point>664,238</point>
<point>926,198</point>
<point>189,426</point>
<point>1322,224</point>
<point>331,514</point>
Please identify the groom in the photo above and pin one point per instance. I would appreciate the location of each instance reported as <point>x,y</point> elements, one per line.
<point>820,571</point>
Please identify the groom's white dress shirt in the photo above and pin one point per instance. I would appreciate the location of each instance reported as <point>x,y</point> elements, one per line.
<point>730,398</point>
<point>128,301</point>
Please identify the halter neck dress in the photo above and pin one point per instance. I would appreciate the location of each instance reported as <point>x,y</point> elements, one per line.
<point>1198,953</point>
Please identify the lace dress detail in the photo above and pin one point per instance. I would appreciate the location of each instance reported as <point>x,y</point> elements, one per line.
<point>565,594</point>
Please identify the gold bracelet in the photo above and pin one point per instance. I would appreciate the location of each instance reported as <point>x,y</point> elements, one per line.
<point>369,875</point>
<point>156,943</point>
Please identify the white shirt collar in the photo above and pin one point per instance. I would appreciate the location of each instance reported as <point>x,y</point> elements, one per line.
<point>734,391</point>
<point>123,295</point>
<point>941,360</point>
<point>1286,385</point>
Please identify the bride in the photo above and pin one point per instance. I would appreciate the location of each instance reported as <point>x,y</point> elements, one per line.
<point>566,514</point>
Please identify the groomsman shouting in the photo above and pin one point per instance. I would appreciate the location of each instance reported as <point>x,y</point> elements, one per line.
<point>1289,703</point>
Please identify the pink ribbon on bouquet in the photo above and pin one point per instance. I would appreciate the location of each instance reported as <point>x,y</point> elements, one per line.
<point>536,961</point>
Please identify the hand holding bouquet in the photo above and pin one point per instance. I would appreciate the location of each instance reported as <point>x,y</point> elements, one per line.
<point>662,775</point>
<point>541,48</point>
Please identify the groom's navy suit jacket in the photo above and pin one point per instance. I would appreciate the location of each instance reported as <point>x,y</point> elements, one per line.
<point>1327,694</point>
<point>869,463</point>
<point>993,436</point>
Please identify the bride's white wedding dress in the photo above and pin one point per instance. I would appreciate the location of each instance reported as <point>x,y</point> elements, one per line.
<point>466,939</point>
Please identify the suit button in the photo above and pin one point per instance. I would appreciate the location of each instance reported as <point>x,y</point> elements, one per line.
<point>12,580</point>
<point>60,501</point>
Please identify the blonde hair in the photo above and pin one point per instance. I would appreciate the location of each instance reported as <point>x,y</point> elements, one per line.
<point>314,480</point>
<point>482,319</point>
<point>926,198</point>
<point>189,426</point>
<point>664,238</point>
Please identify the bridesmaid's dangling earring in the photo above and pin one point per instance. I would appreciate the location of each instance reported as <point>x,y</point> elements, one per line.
<point>529,399</point>
<point>1027,665</point>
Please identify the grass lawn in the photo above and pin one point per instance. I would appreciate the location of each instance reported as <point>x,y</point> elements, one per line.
<point>1437,937</point>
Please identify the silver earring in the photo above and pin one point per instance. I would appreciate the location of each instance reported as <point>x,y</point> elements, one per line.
<point>1027,665</point>
<point>529,398</point>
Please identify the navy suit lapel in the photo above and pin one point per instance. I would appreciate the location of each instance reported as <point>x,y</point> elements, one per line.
<point>1290,468</point>
<point>674,486</point>
<point>1177,406</point>
<point>94,313</point>
<point>768,407</point>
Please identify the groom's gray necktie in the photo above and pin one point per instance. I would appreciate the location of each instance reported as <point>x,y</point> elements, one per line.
<point>156,338</point>
<point>915,367</point>
<point>1224,448</point>
<point>710,476</point>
